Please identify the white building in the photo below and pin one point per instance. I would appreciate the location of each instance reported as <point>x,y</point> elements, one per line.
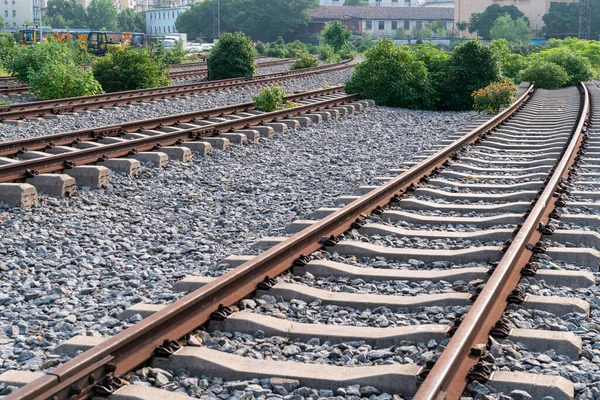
<point>21,12</point>
<point>161,21</point>
<point>396,3</point>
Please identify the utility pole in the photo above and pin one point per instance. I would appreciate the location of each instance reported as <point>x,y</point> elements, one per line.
<point>216,19</point>
<point>585,19</point>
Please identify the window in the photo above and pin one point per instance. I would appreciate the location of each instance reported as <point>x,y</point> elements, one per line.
<point>173,14</point>
<point>407,25</point>
<point>14,13</point>
<point>6,13</point>
<point>354,25</point>
<point>394,1</point>
<point>381,25</point>
<point>394,25</point>
<point>369,24</point>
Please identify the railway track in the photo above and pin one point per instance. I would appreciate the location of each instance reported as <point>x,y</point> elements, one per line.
<point>471,212</point>
<point>39,109</point>
<point>10,85</point>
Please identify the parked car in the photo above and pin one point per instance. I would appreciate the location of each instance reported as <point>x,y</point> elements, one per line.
<point>206,46</point>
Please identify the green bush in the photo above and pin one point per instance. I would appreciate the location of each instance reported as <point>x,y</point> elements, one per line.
<point>363,44</point>
<point>276,52</point>
<point>232,57</point>
<point>472,66</point>
<point>392,76</point>
<point>129,68</point>
<point>59,80</point>
<point>495,96</point>
<point>576,65</point>
<point>8,47</point>
<point>513,64</point>
<point>347,52</point>
<point>436,62</point>
<point>545,75</point>
<point>260,48</point>
<point>305,60</point>
<point>174,55</point>
<point>327,54</point>
<point>270,99</point>
<point>27,61</point>
<point>312,49</point>
<point>336,35</point>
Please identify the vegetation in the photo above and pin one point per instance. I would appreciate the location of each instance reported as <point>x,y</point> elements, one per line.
<point>271,99</point>
<point>562,20</point>
<point>305,60</point>
<point>130,21</point>
<point>129,69</point>
<point>65,14</point>
<point>232,57</point>
<point>174,55</point>
<point>68,14</point>
<point>8,47</point>
<point>356,3</point>
<point>392,76</point>
<point>328,54</point>
<point>287,18</point>
<point>102,14</point>
<point>495,96</point>
<point>516,31</point>
<point>577,66</point>
<point>58,80</point>
<point>472,66</point>
<point>483,22</point>
<point>462,26</point>
<point>510,63</point>
<point>545,75</point>
<point>336,35</point>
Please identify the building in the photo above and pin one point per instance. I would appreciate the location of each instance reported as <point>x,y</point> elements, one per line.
<point>83,3</point>
<point>21,12</point>
<point>121,5</point>
<point>396,3</point>
<point>533,9</point>
<point>161,21</point>
<point>380,21</point>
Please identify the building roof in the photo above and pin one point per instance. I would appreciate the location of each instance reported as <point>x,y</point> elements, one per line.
<point>369,12</point>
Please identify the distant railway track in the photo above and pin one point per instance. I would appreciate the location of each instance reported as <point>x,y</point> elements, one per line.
<point>514,171</point>
<point>55,107</point>
<point>10,85</point>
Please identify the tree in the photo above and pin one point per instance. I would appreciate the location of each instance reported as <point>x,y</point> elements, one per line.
<point>58,80</point>
<point>483,22</point>
<point>392,76</point>
<point>422,32</point>
<point>577,66</point>
<point>189,21</point>
<point>232,57</point>
<point>1,21</point>
<point>102,15</point>
<point>402,33</point>
<point>129,68</point>
<point>336,35</point>
<point>130,21</point>
<point>561,21</point>
<point>356,3</point>
<point>515,31</point>
<point>472,66</point>
<point>8,48</point>
<point>462,26</point>
<point>65,14</point>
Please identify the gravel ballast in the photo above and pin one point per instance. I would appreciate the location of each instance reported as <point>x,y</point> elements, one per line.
<point>69,266</point>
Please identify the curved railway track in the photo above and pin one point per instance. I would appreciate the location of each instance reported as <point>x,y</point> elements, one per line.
<point>54,107</point>
<point>10,85</point>
<point>499,186</point>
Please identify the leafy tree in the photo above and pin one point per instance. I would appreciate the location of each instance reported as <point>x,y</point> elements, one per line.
<point>590,49</point>
<point>102,15</point>
<point>512,30</point>
<point>562,20</point>
<point>546,75</point>
<point>472,66</point>
<point>510,63</point>
<point>260,48</point>
<point>462,26</point>
<point>436,62</point>
<point>174,55</point>
<point>27,61</point>
<point>327,54</point>
<point>189,21</point>
<point>232,57</point>
<point>129,68</point>
<point>356,3</point>
<point>8,48</point>
<point>402,33</point>
<point>483,22</point>
<point>336,35</point>
<point>58,80</point>
<point>422,32</point>
<point>65,14</point>
<point>130,21</point>
<point>392,76</point>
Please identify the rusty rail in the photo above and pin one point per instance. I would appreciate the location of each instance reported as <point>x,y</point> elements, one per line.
<point>448,377</point>
<point>132,347</point>
<point>10,148</point>
<point>204,70</point>
<point>83,103</point>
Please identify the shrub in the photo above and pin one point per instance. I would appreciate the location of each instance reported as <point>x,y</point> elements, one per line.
<point>545,75</point>
<point>436,62</point>
<point>8,47</point>
<point>347,52</point>
<point>31,59</point>
<point>472,66</point>
<point>578,67</point>
<point>269,99</point>
<point>58,80</point>
<point>276,52</point>
<point>312,49</point>
<point>174,55</point>
<point>129,68</point>
<point>260,48</point>
<point>232,57</point>
<point>305,61</point>
<point>512,64</point>
<point>327,54</point>
<point>363,44</point>
<point>392,76</point>
<point>495,96</point>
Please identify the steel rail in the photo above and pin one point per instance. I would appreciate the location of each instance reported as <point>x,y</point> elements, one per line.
<point>203,71</point>
<point>58,162</point>
<point>67,138</point>
<point>132,347</point>
<point>448,377</point>
<point>72,104</point>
